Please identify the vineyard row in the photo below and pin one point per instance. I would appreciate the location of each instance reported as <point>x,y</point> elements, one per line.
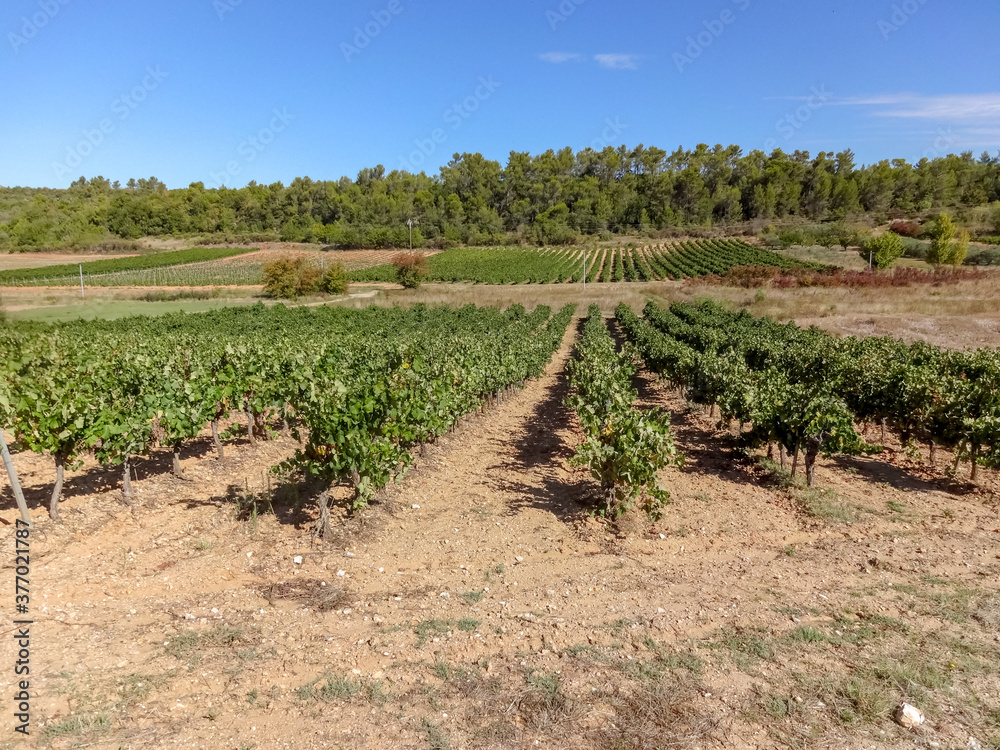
<point>807,391</point>
<point>366,385</point>
<point>556,266</point>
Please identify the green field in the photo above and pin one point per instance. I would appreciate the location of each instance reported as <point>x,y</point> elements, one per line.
<point>114,309</point>
<point>116,271</point>
<point>675,260</point>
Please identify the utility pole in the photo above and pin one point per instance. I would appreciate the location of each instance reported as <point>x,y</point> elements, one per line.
<point>584,268</point>
<point>409,223</point>
<point>82,292</point>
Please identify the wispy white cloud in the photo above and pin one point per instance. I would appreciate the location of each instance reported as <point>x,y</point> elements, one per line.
<point>955,108</point>
<point>618,61</point>
<point>558,58</point>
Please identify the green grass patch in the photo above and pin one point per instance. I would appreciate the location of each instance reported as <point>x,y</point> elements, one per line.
<point>102,309</point>
<point>427,629</point>
<point>450,673</point>
<point>471,597</point>
<point>781,478</point>
<point>332,688</point>
<point>468,624</point>
<point>172,295</point>
<point>75,726</point>
<point>137,687</point>
<point>547,683</point>
<point>954,605</point>
<point>817,502</point>
<point>186,645</point>
<point>807,634</point>
<point>874,687</point>
<point>824,504</point>
<point>747,646</point>
<point>859,698</point>
<point>436,739</point>
<point>672,660</point>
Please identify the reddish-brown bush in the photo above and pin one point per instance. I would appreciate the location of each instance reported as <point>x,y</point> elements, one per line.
<point>411,268</point>
<point>749,277</point>
<point>910,229</point>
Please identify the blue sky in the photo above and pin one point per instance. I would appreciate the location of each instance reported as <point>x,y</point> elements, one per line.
<point>226,91</point>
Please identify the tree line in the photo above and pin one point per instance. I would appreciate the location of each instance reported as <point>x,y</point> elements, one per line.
<point>553,197</point>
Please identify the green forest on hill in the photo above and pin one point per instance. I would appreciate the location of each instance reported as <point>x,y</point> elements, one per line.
<point>555,197</point>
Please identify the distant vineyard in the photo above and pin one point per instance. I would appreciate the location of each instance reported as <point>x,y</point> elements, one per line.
<point>508,265</point>
<point>190,268</point>
<point>69,272</point>
<point>557,266</point>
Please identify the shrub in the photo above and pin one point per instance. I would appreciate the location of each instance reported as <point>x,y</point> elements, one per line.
<point>949,245</point>
<point>883,250</point>
<point>334,280</point>
<point>915,249</point>
<point>411,269</point>
<point>909,229</point>
<point>827,235</point>
<point>959,249</point>
<point>281,278</point>
<point>851,235</point>
<point>288,278</point>
<point>309,277</point>
<point>988,257</point>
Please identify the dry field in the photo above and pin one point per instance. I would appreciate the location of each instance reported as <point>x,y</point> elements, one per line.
<point>479,605</point>
<point>351,259</point>
<point>14,261</point>
<point>963,315</point>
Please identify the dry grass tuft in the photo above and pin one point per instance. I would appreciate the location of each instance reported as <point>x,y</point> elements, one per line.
<point>659,716</point>
<point>545,707</point>
<point>310,592</point>
<point>987,613</point>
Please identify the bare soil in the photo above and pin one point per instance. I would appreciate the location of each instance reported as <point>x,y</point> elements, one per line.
<point>13,261</point>
<point>479,604</point>
<point>951,331</point>
<point>352,259</point>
